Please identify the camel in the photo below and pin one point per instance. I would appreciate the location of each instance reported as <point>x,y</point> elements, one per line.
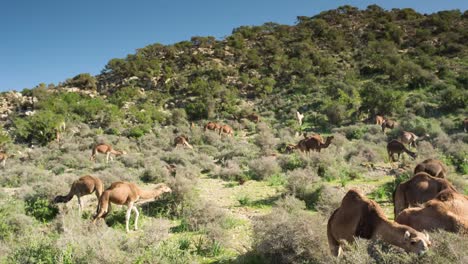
<point>212,126</point>
<point>379,120</point>
<point>432,166</point>
<point>226,130</point>
<point>182,140</point>
<point>387,123</point>
<point>421,188</point>
<point>253,117</point>
<point>299,117</point>
<point>361,217</point>
<point>397,147</point>
<point>127,193</point>
<point>410,138</point>
<point>83,186</point>
<point>465,125</point>
<point>105,149</point>
<point>306,144</point>
<point>3,158</point>
<point>448,211</point>
<point>316,136</point>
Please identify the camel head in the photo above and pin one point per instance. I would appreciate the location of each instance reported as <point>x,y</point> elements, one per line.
<point>290,148</point>
<point>60,199</point>
<point>329,140</point>
<point>416,242</point>
<point>164,188</point>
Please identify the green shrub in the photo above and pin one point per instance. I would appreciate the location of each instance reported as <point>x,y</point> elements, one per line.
<point>40,208</point>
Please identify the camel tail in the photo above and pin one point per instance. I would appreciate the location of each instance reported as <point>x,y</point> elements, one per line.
<point>332,242</point>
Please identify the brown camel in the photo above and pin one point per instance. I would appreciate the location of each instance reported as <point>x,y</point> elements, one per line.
<point>379,120</point>
<point>105,149</point>
<point>410,138</point>
<point>313,143</point>
<point>360,217</point>
<point>448,211</point>
<point>83,186</point>
<point>387,123</point>
<point>465,125</point>
<point>421,188</point>
<point>432,166</point>
<point>316,136</point>
<point>397,147</point>
<point>127,193</point>
<point>182,140</point>
<point>212,126</point>
<point>253,117</point>
<point>225,129</point>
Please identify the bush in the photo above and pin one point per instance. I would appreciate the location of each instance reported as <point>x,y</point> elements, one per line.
<point>41,209</point>
<point>264,167</point>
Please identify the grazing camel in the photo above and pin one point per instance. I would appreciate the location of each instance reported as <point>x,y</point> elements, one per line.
<point>397,147</point>
<point>127,193</point>
<point>105,149</point>
<point>212,126</point>
<point>226,130</point>
<point>410,138</point>
<point>83,186</point>
<point>421,188</point>
<point>433,167</point>
<point>314,143</point>
<point>379,120</point>
<point>387,123</point>
<point>316,136</point>
<point>299,117</point>
<point>361,217</point>
<point>448,211</point>
<point>465,125</point>
<point>253,117</point>
<point>182,140</point>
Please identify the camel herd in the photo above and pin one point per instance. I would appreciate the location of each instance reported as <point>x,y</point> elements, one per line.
<point>425,202</point>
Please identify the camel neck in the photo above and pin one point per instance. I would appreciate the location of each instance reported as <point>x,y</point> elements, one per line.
<point>391,232</point>
<point>149,194</point>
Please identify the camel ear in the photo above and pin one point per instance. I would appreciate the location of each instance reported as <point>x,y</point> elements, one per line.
<point>407,235</point>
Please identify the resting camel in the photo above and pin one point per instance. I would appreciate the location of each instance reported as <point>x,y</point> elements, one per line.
<point>387,123</point>
<point>226,130</point>
<point>105,149</point>
<point>397,147</point>
<point>83,186</point>
<point>127,193</point>
<point>448,211</point>
<point>182,140</point>
<point>410,138</point>
<point>313,143</point>
<point>421,188</point>
<point>360,217</point>
<point>212,126</point>
<point>379,120</point>
<point>432,166</point>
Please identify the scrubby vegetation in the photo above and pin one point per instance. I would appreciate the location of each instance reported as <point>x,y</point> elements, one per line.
<point>245,198</point>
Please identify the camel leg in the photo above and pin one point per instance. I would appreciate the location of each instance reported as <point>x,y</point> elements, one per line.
<point>3,163</point>
<point>107,157</point>
<point>137,214</point>
<point>127,216</point>
<point>80,205</point>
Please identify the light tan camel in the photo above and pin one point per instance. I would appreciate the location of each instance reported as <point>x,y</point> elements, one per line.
<point>182,140</point>
<point>360,217</point>
<point>225,129</point>
<point>387,123</point>
<point>397,147</point>
<point>421,188</point>
<point>314,143</point>
<point>83,186</point>
<point>410,138</point>
<point>129,194</point>
<point>299,117</point>
<point>448,211</point>
<point>433,167</point>
<point>3,158</point>
<point>212,126</point>
<point>105,149</point>
<point>379,120</point>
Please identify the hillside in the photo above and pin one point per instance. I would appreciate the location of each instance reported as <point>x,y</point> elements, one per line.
<point>246,198</point>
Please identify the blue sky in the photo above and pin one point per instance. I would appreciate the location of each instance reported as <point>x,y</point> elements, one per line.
<point>51,40</point>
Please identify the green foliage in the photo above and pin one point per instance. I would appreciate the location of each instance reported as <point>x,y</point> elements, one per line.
<point>41,209</point>
<point>84,81</point>
<point>40,127</point>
